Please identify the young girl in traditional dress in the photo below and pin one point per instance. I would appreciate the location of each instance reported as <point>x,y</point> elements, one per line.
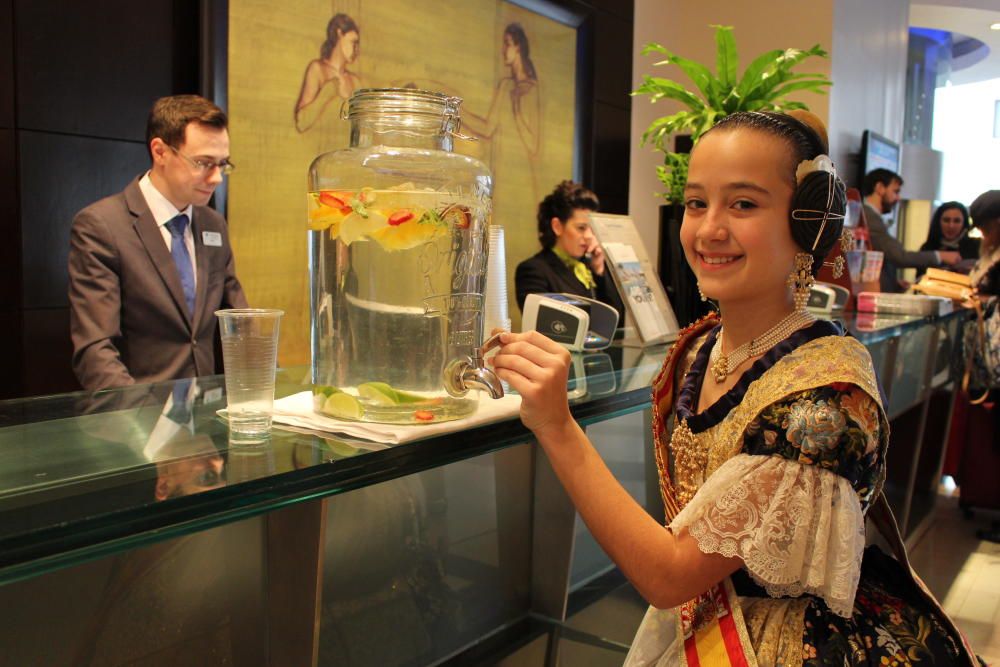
<point>770,437</point>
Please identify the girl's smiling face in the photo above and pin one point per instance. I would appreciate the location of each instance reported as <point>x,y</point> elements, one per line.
<point>735,232</point>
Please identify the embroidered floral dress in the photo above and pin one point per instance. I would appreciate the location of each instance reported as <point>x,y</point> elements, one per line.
<point>785,467</point>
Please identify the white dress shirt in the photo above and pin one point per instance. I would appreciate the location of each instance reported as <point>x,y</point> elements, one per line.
<point>163,212</point>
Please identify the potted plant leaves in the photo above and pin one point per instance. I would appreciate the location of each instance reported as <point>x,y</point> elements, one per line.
<point>765,85</point>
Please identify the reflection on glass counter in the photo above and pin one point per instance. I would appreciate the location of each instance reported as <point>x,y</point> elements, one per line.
<point>78,468</point>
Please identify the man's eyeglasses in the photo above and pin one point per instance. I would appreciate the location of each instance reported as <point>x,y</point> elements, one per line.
<point>204,166</point>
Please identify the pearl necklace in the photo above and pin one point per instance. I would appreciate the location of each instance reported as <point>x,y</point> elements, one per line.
<point>723,364</point>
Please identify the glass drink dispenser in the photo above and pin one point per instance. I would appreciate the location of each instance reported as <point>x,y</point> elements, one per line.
<point>397,263</point>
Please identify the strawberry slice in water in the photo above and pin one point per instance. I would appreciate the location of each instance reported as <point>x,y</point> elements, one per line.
<point>399,217</point>
<point>334,200</point>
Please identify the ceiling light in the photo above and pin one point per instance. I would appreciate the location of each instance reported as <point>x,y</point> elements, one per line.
<point>995,26</point>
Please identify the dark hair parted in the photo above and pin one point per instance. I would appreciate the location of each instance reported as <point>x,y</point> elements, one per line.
<point>170,116</point>
<point>805,136</point>
<point>520,38</point>
<point>934,235</point>
<point>876,176</point>
<point>342,23</point>
<point>560,203</point>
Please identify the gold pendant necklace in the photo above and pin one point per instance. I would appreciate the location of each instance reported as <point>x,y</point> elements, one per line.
<point>724,364</point>
<point>689,461</point>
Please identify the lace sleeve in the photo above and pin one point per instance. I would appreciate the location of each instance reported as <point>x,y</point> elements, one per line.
<point>798,528</point>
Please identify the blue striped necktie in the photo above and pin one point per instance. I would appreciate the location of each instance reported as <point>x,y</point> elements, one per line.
<point>180,410</point>
<point>182,258</point>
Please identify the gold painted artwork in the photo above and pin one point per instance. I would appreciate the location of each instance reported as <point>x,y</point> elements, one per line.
<point>292,67</point>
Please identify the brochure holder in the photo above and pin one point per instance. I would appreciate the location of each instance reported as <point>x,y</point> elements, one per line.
<point>649,319</point>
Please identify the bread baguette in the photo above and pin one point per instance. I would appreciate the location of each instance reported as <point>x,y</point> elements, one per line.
<point>940,275</point>
<point>943,288</point>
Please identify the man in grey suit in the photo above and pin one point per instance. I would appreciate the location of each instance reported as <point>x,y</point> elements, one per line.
<point>149,266</point>
<point>881,191</point>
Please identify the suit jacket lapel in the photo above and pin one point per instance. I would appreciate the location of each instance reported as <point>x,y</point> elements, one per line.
<point>201,259</point>
<point>149,233</point>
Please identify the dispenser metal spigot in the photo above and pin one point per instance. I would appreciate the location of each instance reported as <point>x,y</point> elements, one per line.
<point>461,375</point>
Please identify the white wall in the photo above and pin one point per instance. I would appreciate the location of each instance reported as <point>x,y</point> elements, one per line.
<point>869,76</point>
<point>963,130</point>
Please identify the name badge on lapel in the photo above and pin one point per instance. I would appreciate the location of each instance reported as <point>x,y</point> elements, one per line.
<point>212,239</point>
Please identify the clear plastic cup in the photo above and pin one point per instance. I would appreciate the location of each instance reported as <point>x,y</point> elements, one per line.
<point>855,263</point>
<point>249,355</point>
<point>873,265</point>
<point>853,214</point>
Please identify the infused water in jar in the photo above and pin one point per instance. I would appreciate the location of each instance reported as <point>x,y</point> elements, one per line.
<point>397,259</point>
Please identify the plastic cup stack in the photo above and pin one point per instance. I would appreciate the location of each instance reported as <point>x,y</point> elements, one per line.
<point>495,307</point>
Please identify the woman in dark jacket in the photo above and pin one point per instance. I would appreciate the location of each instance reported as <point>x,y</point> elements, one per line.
<point>949,230</point>
<point>571,260</point>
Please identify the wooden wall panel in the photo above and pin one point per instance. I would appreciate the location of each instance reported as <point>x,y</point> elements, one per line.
<point>612,106</point>
<point>6,63</point>
<point>613,61</point>
<point>623,10</point>
<point>611,157</point>
<point>46,352</point>
<point>10,364</point>
<point>61,174</point>
<point>94,69</point>
<point>10,228</point>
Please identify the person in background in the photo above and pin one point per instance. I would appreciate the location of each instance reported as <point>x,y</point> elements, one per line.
<point>949,230</point>
<point>571,260</point>
<point>149,266</point>
<point>881,192</point>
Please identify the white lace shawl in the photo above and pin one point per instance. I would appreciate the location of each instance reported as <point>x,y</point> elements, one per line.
<point>798,528</point>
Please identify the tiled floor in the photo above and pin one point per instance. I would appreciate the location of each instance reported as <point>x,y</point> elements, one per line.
<point>962,571</point>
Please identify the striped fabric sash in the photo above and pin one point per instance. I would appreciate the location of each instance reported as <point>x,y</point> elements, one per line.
<point>711,624</point>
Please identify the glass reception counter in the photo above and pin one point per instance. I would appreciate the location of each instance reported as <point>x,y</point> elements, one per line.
<point>134,541</point>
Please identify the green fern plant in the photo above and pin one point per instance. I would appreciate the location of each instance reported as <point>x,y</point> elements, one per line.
<point>764,86</point>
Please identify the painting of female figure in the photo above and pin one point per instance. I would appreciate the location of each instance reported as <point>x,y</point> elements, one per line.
<point>327,78</point>
<point>513,126</point>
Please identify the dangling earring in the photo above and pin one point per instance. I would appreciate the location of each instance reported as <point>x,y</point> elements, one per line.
<point>700,293</point>
<point>801,279</point>
<point>846,243</point>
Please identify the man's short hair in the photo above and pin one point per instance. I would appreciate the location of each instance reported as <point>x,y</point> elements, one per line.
<point>883,176</point>
<point>170,116</point>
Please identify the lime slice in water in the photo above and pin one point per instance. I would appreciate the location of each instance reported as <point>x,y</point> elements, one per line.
<point>378,393</point>
<point>407,397</point>
<point>343,406</point>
